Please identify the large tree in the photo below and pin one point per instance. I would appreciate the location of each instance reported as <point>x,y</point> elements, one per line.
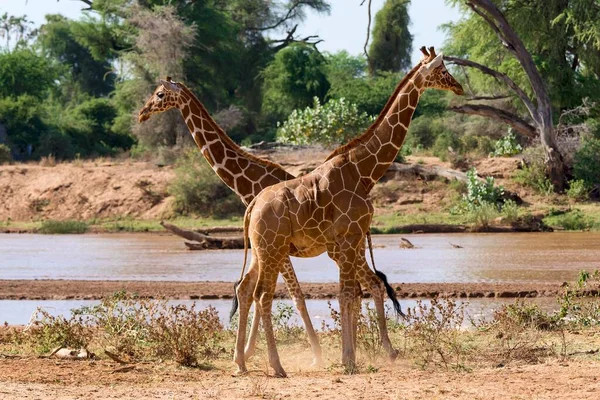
<point>391,45</point>
<point>296,75</point>
<point>528,48</point>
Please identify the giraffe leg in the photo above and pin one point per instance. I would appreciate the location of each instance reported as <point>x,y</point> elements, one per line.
<point>357,308</point>
<point>295,290</point>
<point>265,290</point>
<point>244,295</point>
<point>346,256</point>
<point>373,284</point>
<point>251,345</point>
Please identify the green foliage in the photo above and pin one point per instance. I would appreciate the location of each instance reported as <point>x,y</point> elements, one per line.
<point>391,45</point>
<point>445,143</point>
<point>507,145</point>
<point>587,162</point>
<point>335,122</point>
<point>481,194</point>
<point>52,227</point>
<point>550,41</point>
<point>5,154</point>
<point>578,190</point>
<point>64,41</point>
<point>574,220</point>
<point>23,73</point>
<point>197,189</point>
<point>23,118</point>
<point>510,211</point>
<point>294,77</point>
<point>533,173</point>
<point>133,329</point>
<point>369,93</point>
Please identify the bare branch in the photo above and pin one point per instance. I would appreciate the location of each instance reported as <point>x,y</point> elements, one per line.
<point>500,77</point>
<point>291,13</point>
<point>520,125</point>
<point>310,39</point>
<point>479,98</point>
<point>368,30</point>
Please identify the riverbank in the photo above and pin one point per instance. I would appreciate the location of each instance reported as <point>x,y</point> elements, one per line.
<point>105,196</point>
<point>95,290</point>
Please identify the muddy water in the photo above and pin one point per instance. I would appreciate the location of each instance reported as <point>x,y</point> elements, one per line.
<point>518,257</point>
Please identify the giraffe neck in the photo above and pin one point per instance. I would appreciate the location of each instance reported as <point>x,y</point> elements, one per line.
<point>244,173</point>
<point>376,149</point>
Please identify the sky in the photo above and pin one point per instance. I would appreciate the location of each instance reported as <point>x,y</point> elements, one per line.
<point>343,29</point>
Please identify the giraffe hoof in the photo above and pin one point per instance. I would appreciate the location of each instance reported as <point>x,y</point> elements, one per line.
<point>280,374</point>
<point>394,354</point>
<point>317,363</point>
<point>240,372</point>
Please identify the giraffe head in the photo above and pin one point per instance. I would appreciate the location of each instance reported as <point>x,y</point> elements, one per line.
<point>165,97</point>
<point>434,72</point>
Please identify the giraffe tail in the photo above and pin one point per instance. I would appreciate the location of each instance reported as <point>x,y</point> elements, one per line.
<point>235,302</point>
<point>388,288</point>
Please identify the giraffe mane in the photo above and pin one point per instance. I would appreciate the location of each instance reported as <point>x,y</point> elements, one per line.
<point>363,138</point>
<point>223,135</point>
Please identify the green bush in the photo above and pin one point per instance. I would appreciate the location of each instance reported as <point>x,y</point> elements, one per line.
<point>578,190</point>
<point>335,122</point>
<point>507,145</point>
<point>481,192</point>
<point>587,162</point>
<point>197,189</point>
<point>62,227</point>
<point>445,143</point>
<point>510,211</point>
<point>572,221</point>
<point>5,154</point>
<point>533,173</point>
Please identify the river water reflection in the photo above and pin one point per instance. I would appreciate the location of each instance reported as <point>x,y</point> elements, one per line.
<point>507,257</point>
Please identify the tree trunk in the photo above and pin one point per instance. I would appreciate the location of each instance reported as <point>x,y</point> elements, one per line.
<point>542,112</point>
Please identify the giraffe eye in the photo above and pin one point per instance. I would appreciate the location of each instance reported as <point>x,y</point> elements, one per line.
<point>160,95</point>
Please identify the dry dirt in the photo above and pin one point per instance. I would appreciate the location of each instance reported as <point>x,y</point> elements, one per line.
<point>116,189</point>
<point>33,378</point>
<point>92,290</point>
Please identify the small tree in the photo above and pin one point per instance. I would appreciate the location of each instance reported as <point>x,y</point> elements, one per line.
<point>333,123</point>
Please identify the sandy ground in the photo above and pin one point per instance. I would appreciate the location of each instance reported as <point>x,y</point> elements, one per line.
<point>91,290</point>
<point>33,378</point>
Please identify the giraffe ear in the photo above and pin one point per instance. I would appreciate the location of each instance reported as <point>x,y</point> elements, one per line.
<point>436,62</point>
<point>170,85</point>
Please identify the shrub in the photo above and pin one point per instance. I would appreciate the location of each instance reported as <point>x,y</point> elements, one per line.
<point>197,189</point>
<point>185,335</point>
<point>510,211</point>
<point>587,162</point>
<point>483,214</point>
<point>435,331</point>
<point>533,173</point>
<point>48,332</point>
<point>572,221</point>
<point>481,192</point>
<point>507,145</point>
<point>63,227</point>
<point>5,154</point>
<point>335,122</point>
<point>444,144</point>
<point>578,190</point>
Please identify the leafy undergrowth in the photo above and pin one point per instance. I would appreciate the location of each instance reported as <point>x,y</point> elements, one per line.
<point>434,334</point>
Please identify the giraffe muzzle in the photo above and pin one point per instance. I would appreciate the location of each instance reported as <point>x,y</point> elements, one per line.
<point>144,115</point>
<point>458,89</point>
